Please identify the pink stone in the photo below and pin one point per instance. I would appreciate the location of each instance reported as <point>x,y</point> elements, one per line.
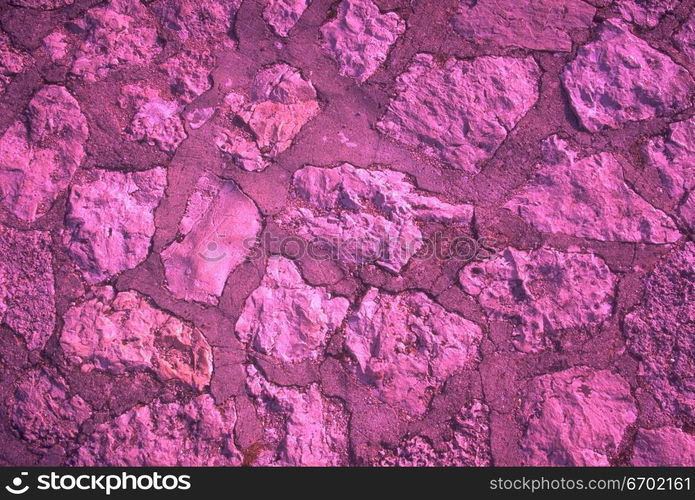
<point>664,447</point>
<point>120,332</point>
<point>406,346</point>
<point>282,15</point>
<point>577,417</point>
<point>56,45</point>
<point>189,73</point>
<point>460,111</point>
<point>645,13</point>
<point>288,319</point>
<point>41,4</point>
<point>158,123</point>
<point>12,61</point>
<point>360,37</point>
<point>197,21</point>
<point>685,39</point>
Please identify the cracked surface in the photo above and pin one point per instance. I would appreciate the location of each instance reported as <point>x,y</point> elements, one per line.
<point>347,232</point>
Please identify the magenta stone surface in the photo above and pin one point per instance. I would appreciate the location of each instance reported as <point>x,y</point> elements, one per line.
<point>347,233</point>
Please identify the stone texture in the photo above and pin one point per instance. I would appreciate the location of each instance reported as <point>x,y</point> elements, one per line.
<point>42,4</point>
<point>56,45</point>
<point>589,198</point>
<point>12,61</point>
<point>360,37</point>
<point>405,346</point>
<point>530,24</point>
<point>468,448</point>
<point>449,110</point>
<point>282,15</point>
<point>309,429</point>
<point>685,39</point>
<point>192,434</point>
<point>110,221</point>
<point>646,13</point>
<point>541,293</point>
<point>218,228</point>
<point>288,319</point>
<point>27,303</point>
<point>366,215</point>
<point>577,417</point>
<point>660,332</point>
<point>189,73</point>
<point>157,122</point>
<point>664,447</point>
<point>40,152</point>
<point>44,410</point>
<point>121,332</point>
<point>619,78</point>
<point>195,21</point>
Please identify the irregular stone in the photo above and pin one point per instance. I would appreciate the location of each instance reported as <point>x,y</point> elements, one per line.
<point>56,46</point>
<point>664,447</point>
<point>27,303</point>
<point>660,332</point>
<point>366,215</point>
<point>527,24</point>
<point>157,122</point>
<point>241,147</point>
<point>288,319</point>
<point>122,332</point>
<point>282,15</point>
<point>406,346</point>
<point>12,61</point>
<point>194,434</point>
<point>40,152</point>
<point>588,198</point>
<point>198,117</point>
<point>110,220</point>
<point>468,448</point>
<point>189,73</point>
<point>360,37</point>
<point>673,158</point>
<point>645,13</point>
<point>219,228</point>
<point>41,4</point>
<point>685,39</point>
<point>43,411</point>
<point>687,211</point>
<point>541,293</point>
<point>312,429</point>
<point>119,34</point>
<point>198,20</point>
<point>575,417</point>
<point>619,78</point>
<point>460,111</point>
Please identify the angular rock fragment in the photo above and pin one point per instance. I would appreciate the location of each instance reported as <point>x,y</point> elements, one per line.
<point>27,303</point>
<point>288,319</point>
<point>282,15</point>
<point>360,37</point>
<point>56,45</point>
<point>646,13</point>
<point>242,148</point>
<point>157,122</point>
<point>43,410</point>
<point>619,78</point>
<point>110,220</point>
<point>460,111</point>
<point>122,332</point>
<point>685,39</point>
<point>121,33</point>
<point>40,152</point>
<point>528,24</point>
<point>406,346</point>
<point>469,447</point>
<point>12,61</point>
<point>189,73</point>
<point>195,434</point>
<point>42,4</point>
<point>312,430</point>
<point>588,198</point>
<point>660,332</point>
<point>541,293</point>
<point>576,417</point>
<point>219,228</point>
<point>664,447</point>
<point>198,20</point>
<point>366,215</point>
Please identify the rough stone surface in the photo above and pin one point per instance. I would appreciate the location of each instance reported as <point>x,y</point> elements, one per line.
<point>446,109</point>
<point>218,227</point>
<point>542,293</point>
<point>367,216</point>
<point>530,24</point>
<point>619,78</point>
<point>198,20</point>
<point>122,332</point>
<point>110,221</point>
<point>685,39</point>
<point>577,417</point>
<point>588,197</point>
<point>27,303</point>
<point>405,346</point>
<point>189,74</point>
<point>282,15</point>
<point>12,61</point>
<point>192,434</point>
<point>42,4</point>
<point>360,36</point>
<point>660,332</point>
<point>158,123</point>
<point>645,13</point>
<point>288,319</point>
<point>664,447</point>
<point>40,152</point>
